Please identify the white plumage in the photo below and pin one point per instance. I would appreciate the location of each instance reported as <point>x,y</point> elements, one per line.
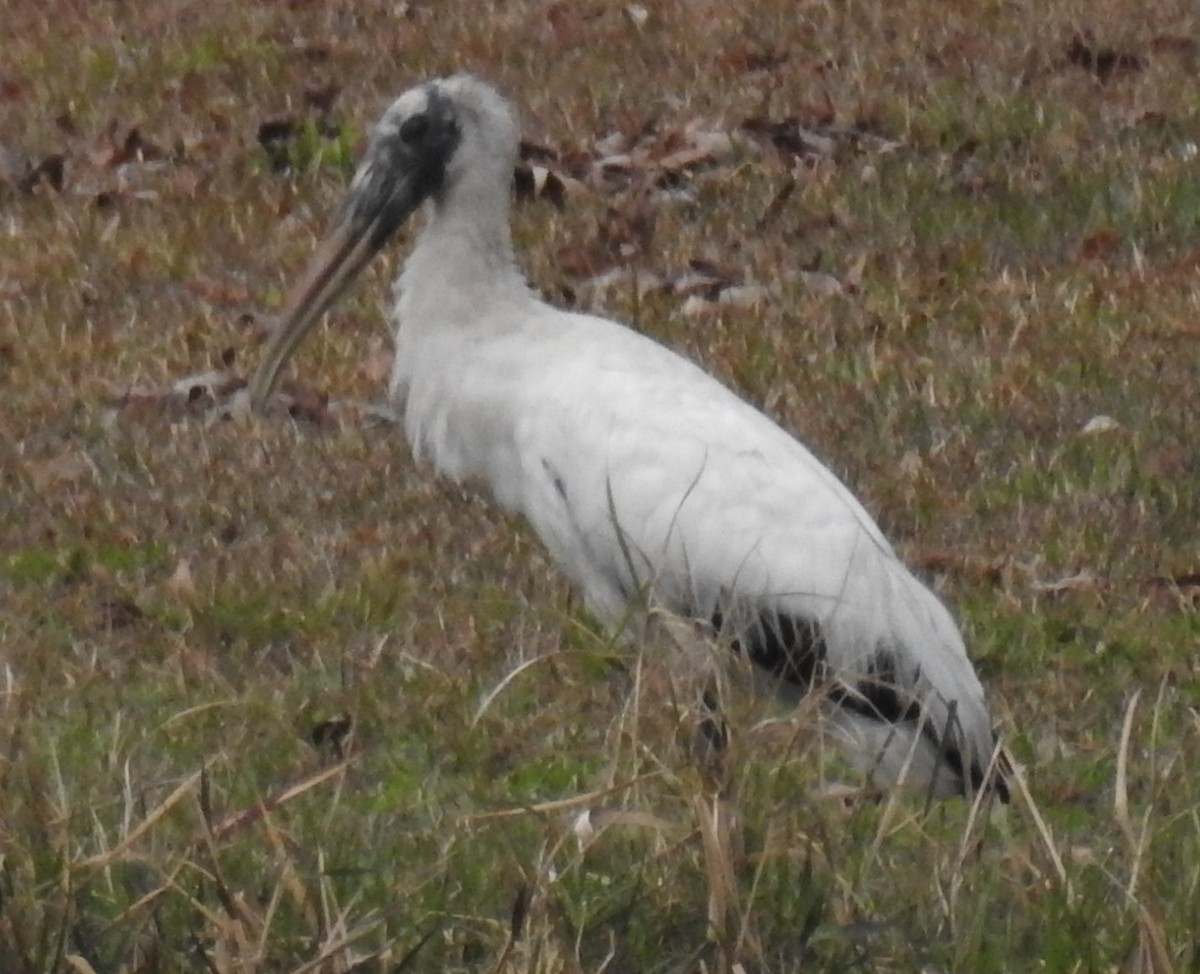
<point>643,475</point>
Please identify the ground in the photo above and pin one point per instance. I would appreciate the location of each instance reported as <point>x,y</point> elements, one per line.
<point>275,698</point>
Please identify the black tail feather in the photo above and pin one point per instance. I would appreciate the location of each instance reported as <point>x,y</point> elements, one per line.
<point>793,649</point>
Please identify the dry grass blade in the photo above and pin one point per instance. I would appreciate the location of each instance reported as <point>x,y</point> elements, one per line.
<point>288,881</point>
<point>140,905</point>
<point>713,818</point>
<point>1151,955</point>
<point>143,828</point>
<point>562,804</point>
<point>982,801</point>
<point>1121,788</point>
<point>600,820</point>
<point>1043,830</point>
<point>500,687</point>
<point>256,812</point>
<point>410,955</point>
<point>212,919</point>
<point>330,951</point>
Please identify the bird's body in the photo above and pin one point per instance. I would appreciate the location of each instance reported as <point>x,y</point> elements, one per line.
<point>643,475</point>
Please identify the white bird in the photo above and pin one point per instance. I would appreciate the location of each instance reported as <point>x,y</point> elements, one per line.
<point>642,474</point>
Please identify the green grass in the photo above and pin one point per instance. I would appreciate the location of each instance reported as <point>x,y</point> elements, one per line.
<point>186,605</point>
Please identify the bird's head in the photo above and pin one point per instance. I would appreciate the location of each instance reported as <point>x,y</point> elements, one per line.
<point>438,138</point>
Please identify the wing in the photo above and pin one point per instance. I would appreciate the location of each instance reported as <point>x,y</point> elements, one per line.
<point>647,475</point>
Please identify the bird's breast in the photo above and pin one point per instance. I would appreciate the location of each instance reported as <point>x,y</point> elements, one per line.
<point>456,419</point>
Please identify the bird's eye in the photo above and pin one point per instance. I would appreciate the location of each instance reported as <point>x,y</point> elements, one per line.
<point>414,129</point>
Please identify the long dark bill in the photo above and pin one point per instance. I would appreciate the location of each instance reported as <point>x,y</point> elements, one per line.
<point>376,206</point>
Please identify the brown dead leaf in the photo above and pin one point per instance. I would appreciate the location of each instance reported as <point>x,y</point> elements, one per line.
<point>322,97</point>
<point>134,147</point>
<point>790,137</point>
<point>1102,244</point>
<point>962,564</point>
<point>576,260</point>
<point>50,171</point>
<point>568,24</point>
<point>536,152</point>
<point>215,383</point>
<point>138,407</point>
<point>540,183</point>
<point>612,174</point>
<point>366,533</point>
<point>274,135</point>
<point>1152,119</point>
<point>1182,580</point>
<point>700,148</point>
<point>12,89</point>
<point>24,177</point>
<point>192,396</point>
<point>120,612</point>
<point>218,291</point>
<point>709,287</point>
<point>1105,63</point>
<point>1175,44</point>
<point>1171,462</point>
<point>65,123</point>
<point>307,404</point>
<point>277,129</point>
<point>279,135</point>
<point>68,467</point>
<point>191,90</point>
<point>561,20</point>
<point>705,279</point>
<point>330,735</point>
<point>1180,590</point>
<point>745,57</point>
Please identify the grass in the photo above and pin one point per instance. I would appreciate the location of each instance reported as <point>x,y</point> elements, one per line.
<point>276,699</point>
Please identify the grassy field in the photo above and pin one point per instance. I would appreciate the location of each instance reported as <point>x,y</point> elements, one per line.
<point>275,699</point>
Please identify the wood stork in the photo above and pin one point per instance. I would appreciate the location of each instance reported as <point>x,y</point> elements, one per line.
<point>642,474</point>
